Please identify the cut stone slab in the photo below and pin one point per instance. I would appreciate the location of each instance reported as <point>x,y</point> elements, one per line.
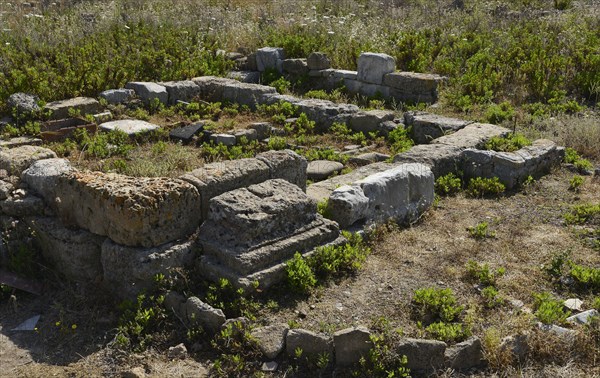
<point>370,121</point>
<point>198,312</point>
<point>271,339</point>
<point>269,57</point>
<point>185,90</point>
<point>263,129</point>
<point>372,67</point>
<point>82,105</point>
<point>74,253</point>
<point>318,170</point>
<point>340,75</point>
<point>128,271</point>
<point>312,344</point>
<point>187,133</point>
<point>25,206</point>
<point>102,117</point>
<point>465,355</point>
<point>401,193</point>
<point>43,175</point>
<point>129,126</point>
<point>472,136</point>
<point>427,127</point>
<point>351,344</point>
<point>148,91</point>
<point>224,139</point>
<point>295,66</point>
<point>367,89</point>
<point>18,159</point>
<point>423,355</point>
<point>23,103</point>
<point>583,317</point>
<point>412,87</point>
<point>118,96</point>
<point>248,134</point>
<point>318,61</point>
<point>368,158</point>
<point>133,211</point>
<point>20,141</point>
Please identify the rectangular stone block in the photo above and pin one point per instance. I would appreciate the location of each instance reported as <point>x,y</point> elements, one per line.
<point>372,67</point>
<point>185,90</point>
<point>287,165</point>
<point>148,91</point>
<point>412,82</point>
<point>427,127</point>
<point>269,57</point>
<point>472,136</point>
<point>82,105</point>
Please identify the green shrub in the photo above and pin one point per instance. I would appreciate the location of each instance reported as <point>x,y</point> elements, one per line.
<point>482,274</point>
<point>399,140</point>
<point>491,297</point>
<point>499,113</point>
<point>481,231</point>
<point>575,183</point>
<point>448,184</point>
<point>382,360</point>
<point>549,310</point>
<point>482,187</point>
<point>562,4</point>
<point>436,305</point>
<point>585,278</point>
<point>510,143</point>
<point>139,321</point>
<point>299,274</point>
<point>277,143</point>
<point>347,258</point>
<point>448,332</point>
<point>233,301</point>
<point>572,157</point>
<point>585,213</point>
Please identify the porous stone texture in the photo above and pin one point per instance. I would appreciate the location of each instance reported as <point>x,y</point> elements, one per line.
<point>423,355</point>
<point>465,355</point>
<point>148,91</point>
<point>370,121</point>
<point>287,165</point>
<point>185,90</point>
<point>312,344</point>
<point>412,86</point>
<point>128,271</point>
<point>5,189</point>
<point>324,113</point>
<point>372,67</point>
<point>472,136</point>
<point>198,312</point>
<point>23,103</point>
<point>82,105</point>
<point>133,211</point>
<point>43,175</point>
<point>263,129</point>
<point>73,252</point>
<point>321,169</point>
<point>18,159</point>
<point>351,344</point>
<point>118,96</point>
<point>513,168</point>
<point>129,126</point>
<point>269,57</point>
<point>252,77</point>
<point>426,127</point>
<point>442,159</point>
<point>102,117</point>
<point>400,193</point>
<point>295,66</point>
<point>251,230</point>
<point>271,339</point>
<point>318,61</point>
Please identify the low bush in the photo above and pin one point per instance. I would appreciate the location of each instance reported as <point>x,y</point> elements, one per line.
<point>448,185</point>
<point>479,187</point>
<point>549,310</point>
<point>510,143</point>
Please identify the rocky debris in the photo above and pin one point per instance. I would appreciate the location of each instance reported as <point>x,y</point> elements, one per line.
<point>465,355</point>
<point>128,271</point>
<point>564,333</point>
<point>271,339</point>
<point>118,96</point>
<point>269,58</point>
<point>252,77</point>
<point>372,67</point>
<point>43,175</point>
<point>102,117</point>
<point>203,314</point>
<point>177,352</point>
<point>318,170</point>
<point>81,105</point>
<point>351,344</point>
<point>73,252</point>
<point>513,168</point>
<point>287,165</point>
<point>129,126</point>
<point>20,141</point>
<point>573,304</point>
<point>248,134</point>
<point>224,139</point>
<point>583,317</point>
<point>368,158</point>
<point>148,91</point>
<point>310,343</point>
<point>186,133</point>
<point>423,355</point>
<point>263,129</point>
<point>295,66</point>
<point>18,159</point>
<point>250,232</point>
<point>516,345</point>
<point>442,159</point>
<point>371,121</point>
<point>22,206</point>
<point>23,103</point>
<point>412,86</point>
<point>401,193</point>
<point>318,61</point>
<point>185,90</point>
<point>426,127</point>
<point>5,189</point>
<point>473,135</point>
<point>269,366</point>
<point>133,211</point>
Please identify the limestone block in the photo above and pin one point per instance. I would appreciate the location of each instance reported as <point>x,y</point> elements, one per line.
<point>83,105</point>
<point>295,66</point>
<point>312,344</point>
<point>130,127</point>
<point>185,90</point>
<point>423,355</point>
<point>118,96</point>
<point>268,57</point>
<point>472,136</point>
<point>372,67</point>
<point>43,175</point>
<point>351,345</point>
<point>287,165</point>
<point>18,159</point>
<point>442,159</point>
<point>370,121</point>
<point>148,91</point>
<point>426,127</point>
<point>318,61</point>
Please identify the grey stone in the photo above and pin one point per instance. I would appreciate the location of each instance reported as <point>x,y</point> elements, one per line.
<point>82,105</point>
<point>473,135</point>
<point>370,121</point>
<point>185,90</point>
<point>269,366</point>
<point>564,333</point>
<point>324,113</point>
<point>27,205</point>
<point>263,129</point>
<point>271,339</point>
<point>268,57</point>
<point>318,170</point>
<point>413,87</point>
<point>326,73</point>
<point>583,317</point>
<point>295,66</point>
<point>118,96</point>
<point>5,189</point>
<point>198,312</point>
<point>517,345</point>
<point>351,344</point>
<point>425,126</point>
<point>573,304</point>
<point>174,302</point>
<point>102,117</point>
<point>18,159</point>
<point>311,343</point>
<point>345,74</point>
<point>128,271</point>
<point>186,133</point>
<point>177,352</point>
<point>23,103</point>
<point>245,93</point>
<point>245,76</point>
<point>318,61</point>
<point>129,126</point>
<point>73,252</point>
<point>423,355</point>
<point>251,64</point>
<point>224,139</point>
<point>465,355</point>
<point>368,158</point>
<point>133,211</point>
<point>43,175</point>
<point>248,134</point>
<point>287,165</point>
<point>442,159</point>
<point>372,67</point>
<point>367,89</point>
<point>148,91</point>
<point>20,141</point>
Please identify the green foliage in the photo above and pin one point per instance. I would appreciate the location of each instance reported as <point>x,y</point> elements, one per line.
<point>234,302</point>
<point>563,4</point>
<point>491,297</point>
<point>483,187</point>
<point>447,332</point>
<point>216,152</point>
<point>572,157</point>
<point>139,321</point>
<point>342,131</point>
<point>596,303</point>
<point>585,278</point>
<point>237,350</point>
<point>549,310</point>
<point>499,113</point>
<point>300,276</point>
<point>575,183</point>
<point>585,213</point>
<point>481,231</point>
<point>336,95</point>
<point>277,143</point>
<point>382,360</point>
<point>279,111</point>
<point>512,142</point>
<point>102,145</point>
<point>302,126</point>
<point>399,140</point>
<point>448,185</point>
<point>323,208</point>
<point>483,274</point>
<point>436,305</point>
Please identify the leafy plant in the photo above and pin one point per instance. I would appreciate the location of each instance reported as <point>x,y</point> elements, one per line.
<point>481,231</point>
<point>448,185</point>
<point>482,273</point>
<point>436,305</point>
<point>549,310</point>
<point>500,113</point>
<point>575,183</point>
<point>510,143</point>
<point>300,276</point>
<point>585,213</point>
<point>482,187</point>
<point>491,297</point>
<point>233,301</point>
<point>139,321</point>
<point>447,332</point>
<point>399,140</point>
<point>581,164</point>
<point>382,360</point>
<point>585,278</point>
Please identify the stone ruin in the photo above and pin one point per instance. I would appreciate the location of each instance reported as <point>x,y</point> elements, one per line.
<point>243,219</point>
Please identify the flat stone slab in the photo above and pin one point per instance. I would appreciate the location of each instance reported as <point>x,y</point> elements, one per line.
<point>82,105</point>
<point>185,134</point>
<point>129,126</point>
<point>372,67</point>
<point>312,344</point>
<point>427,127</point>
<point>16,160</point>
<point>318,170</point>
<point>20,141</point>
<point>472,136</point>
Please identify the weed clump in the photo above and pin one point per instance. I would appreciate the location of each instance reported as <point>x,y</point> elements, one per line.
<point>510,143</point>
<point>485,187</point>
<point>448,185</point>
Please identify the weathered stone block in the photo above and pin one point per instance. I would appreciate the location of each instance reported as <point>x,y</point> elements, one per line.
<point>372,67</point>
<point>186,133</point>
<point>318,170</point>
<point>130,127</point>
<point>287,165</point>
<point>442,159</point>
<point>22,206</point>
<point>312,344</point>
<point>473,135</point>
<point>269,57</point>
<point>271,339</point>
<point>83,105</point>
<point>370,121</point>
<point>295,66</point>
<point>465,355</point>
<point>198,312</point>
<point>148,91</point>
<point>18,159</point>
<point>245,76</point>
<point>423,355</point>
<point>351,344</point>
<point>185,90</point>
<point>43,175</point>
<point>412,82</point>
<point>118,96</point>
<point>23,103</point>
<point>427,127</point>
<point>318,61</point>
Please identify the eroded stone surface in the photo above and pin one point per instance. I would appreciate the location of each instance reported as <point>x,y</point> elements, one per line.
<point>118,96</point>
<point>427,127</point>
<point>423,355</point>
<point>271,339</point>
<point>321,169</point>
<point>312,344</point>
<point>351,344</point>
<point>148,91</point>
<point>18,159</point>
<point>129,126</point>
<point>372,67</point>
<point>81,105</point>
